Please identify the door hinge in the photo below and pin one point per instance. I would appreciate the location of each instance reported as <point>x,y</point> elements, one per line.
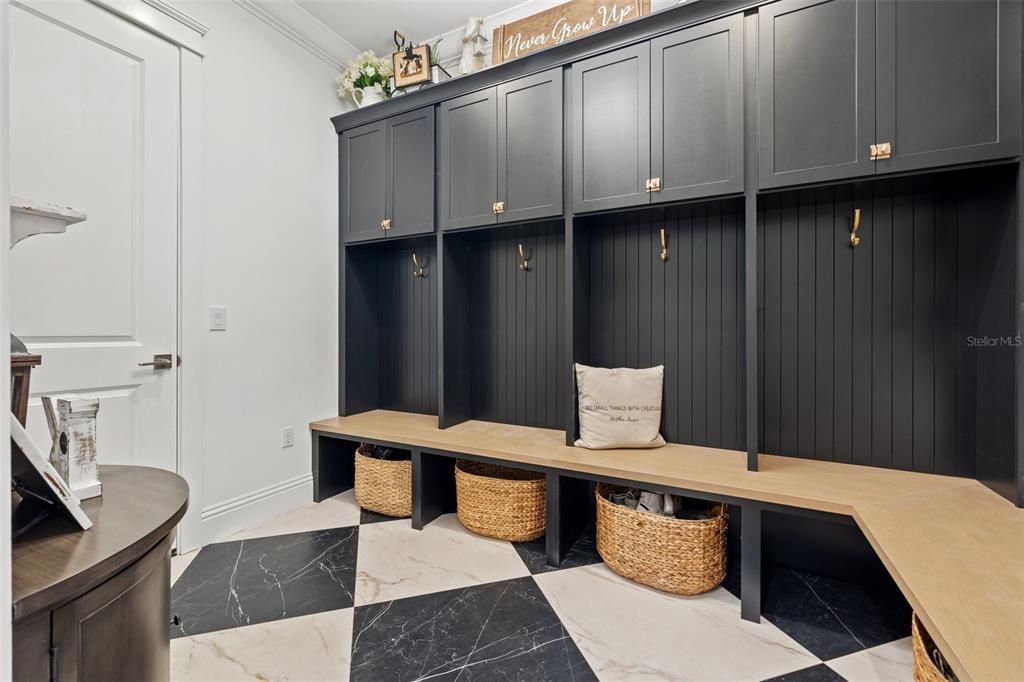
<point>881,151</point>
<point>54,672</point>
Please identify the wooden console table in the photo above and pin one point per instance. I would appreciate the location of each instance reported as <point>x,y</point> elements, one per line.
<point>95,604</point>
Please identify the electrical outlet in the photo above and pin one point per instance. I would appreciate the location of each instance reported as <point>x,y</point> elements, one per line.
<point>287,437</point>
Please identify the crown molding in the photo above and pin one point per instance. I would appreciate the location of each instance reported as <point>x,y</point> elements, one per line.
<point>303,29</point>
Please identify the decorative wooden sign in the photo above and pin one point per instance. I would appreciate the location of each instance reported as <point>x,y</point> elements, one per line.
<point>565,22</point>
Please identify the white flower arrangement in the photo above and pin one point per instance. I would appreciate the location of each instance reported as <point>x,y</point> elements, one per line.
<point>368,70</point>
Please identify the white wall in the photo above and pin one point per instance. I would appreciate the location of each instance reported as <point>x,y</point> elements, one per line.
<point>269,252</point>
<point>5,364</point>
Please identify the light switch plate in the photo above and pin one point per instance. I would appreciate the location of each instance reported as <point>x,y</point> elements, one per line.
<point>287,437</point>
<point>218,318</point>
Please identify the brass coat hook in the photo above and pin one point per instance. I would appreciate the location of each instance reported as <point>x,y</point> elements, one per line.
<point>417,268</point>
<point>664,246</point>
<point>854,237</point>
<point>525,265</point>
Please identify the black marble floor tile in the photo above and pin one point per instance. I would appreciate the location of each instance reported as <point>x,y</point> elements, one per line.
<point>832,618</point>
<point>817,673</point>
<point>366,516</point>
<point>230,584</point>
<point>583,553</point>
<point>498,631</point>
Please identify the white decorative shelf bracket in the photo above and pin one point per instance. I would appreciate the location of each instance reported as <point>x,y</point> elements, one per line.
<point>34,217</point>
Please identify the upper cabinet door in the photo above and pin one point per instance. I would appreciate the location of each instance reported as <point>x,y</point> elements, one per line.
<point>697,111</point>
<point>948,81</point>
<point>410,163</point>
<point>530,147</point>
<point>468,139</point>
<point>363,182</point>
<point>816,85</point>
<point>611,121</point>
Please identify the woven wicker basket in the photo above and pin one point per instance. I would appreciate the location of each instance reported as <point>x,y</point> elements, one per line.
<point>500,502</point>
<point>383,485</point>
<point>681,556</point>
<point>925,669</point>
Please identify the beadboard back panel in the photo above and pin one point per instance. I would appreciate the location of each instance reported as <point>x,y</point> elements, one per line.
<point>391,344</point>
<point>685,312</point>
<point>870,354</point>
<point>516,321</point>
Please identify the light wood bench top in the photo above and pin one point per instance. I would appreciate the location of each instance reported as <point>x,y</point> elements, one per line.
<point>955,548</point>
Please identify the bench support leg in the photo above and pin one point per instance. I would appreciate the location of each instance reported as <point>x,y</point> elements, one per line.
<point>750,563</point>
<point>433,487</point>
<point>333,466</point>
<point>568,507</point>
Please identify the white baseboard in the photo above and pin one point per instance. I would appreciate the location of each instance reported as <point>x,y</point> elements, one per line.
<point>246,511</point>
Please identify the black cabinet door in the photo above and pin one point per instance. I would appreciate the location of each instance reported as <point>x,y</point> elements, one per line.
<point>410,171</point>
<point>530,147</point>
<point>363,180</point>
<point>697,111</point>
<point>948,81</point>
<point>816,85</point>
<point>468,139</point>
<point>611,121</point>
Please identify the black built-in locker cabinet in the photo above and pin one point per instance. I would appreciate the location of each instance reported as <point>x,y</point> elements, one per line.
<point>363,180</point>
<point>611,129</point>
<point>865,354</point>
<point>697,111</point>
<point>468,136</point>
<point>410,173</point>
<point>501,153</point>
<point>387,174</point>
<point>660,121</point>
<point>390,326</point>
<point>816,86</point>
<point>530,147</point>
<point>948,81</point>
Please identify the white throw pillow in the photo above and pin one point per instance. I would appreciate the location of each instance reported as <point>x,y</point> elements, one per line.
<point>619,408</point>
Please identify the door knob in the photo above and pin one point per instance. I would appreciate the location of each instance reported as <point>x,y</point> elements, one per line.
<point>161,361</point>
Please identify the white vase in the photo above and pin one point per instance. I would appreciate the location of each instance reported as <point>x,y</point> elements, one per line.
<point>364,97</point>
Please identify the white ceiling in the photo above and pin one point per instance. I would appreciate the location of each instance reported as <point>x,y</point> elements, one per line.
<point>368,24</point>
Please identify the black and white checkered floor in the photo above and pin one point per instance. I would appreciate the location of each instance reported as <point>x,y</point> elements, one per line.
<point>331,593</point>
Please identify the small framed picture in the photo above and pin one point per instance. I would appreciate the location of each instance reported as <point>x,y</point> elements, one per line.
<point>412,66</point>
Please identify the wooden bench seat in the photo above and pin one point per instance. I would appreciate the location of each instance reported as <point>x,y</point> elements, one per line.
<point>955,548</point>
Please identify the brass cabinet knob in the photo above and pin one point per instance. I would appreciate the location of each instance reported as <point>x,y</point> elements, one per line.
<point>385,224</point>
<point>881,151</point>
<point>499,207</point>
<point>653,184</point>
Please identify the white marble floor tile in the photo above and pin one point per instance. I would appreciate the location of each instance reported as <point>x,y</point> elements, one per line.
<point>334,512</point>
<point>892,662</point>
<point>315,647</point>
<point>394,561</point>
<point>180,562</point>
<point>633,633</point>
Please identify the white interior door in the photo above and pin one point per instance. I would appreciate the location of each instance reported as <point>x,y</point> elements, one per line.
<point>94,126</point>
